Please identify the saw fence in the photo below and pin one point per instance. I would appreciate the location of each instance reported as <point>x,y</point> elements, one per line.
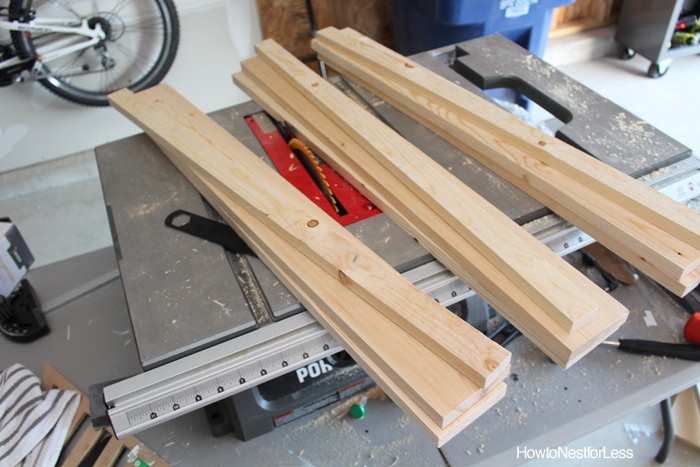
<point>436,367</point>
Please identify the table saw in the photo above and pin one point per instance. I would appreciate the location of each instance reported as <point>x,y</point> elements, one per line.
<point>214,328</point>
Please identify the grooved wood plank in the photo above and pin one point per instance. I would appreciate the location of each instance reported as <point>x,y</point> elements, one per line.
<point>551,281</point>
<point>635,196</point>
<point>187,136</point>
<point>285,103</point>
<point>279,256</point>
<point>436,387</point>
<point>398,393</point>
<point>651,249</point>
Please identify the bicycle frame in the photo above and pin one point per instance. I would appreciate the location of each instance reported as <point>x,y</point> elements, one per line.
<point>59,48</point>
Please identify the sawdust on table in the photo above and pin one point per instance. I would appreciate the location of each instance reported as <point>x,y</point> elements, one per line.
<point>356,448</point>
<point>343,409</point>
<point>569,95</point>
<point>651,177</point>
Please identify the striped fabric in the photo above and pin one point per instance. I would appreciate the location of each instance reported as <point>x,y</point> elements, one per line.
<point>33,423</point>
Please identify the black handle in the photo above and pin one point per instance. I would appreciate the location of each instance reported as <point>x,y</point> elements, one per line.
<point>590,260</point>
<point>664,349</point>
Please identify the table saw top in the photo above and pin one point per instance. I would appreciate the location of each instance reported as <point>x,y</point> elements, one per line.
<point>181,290</point>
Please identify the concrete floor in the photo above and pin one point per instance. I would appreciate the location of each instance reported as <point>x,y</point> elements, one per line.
<point>49,182</point>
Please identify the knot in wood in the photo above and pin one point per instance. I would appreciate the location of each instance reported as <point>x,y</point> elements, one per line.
<point>492,364</point>
<point>312,223</point>
<point>344,279</point>
<point>408,65</point>
<point>314,85</point>
<point>542,143</point>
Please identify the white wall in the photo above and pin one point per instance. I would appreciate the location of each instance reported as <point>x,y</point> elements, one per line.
<point>216,35</point>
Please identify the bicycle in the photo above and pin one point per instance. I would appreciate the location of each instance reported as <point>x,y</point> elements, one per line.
<point>83,50</point>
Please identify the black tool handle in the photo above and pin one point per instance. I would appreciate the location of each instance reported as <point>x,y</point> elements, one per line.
<point>664,349</point>
<point>590,260</point>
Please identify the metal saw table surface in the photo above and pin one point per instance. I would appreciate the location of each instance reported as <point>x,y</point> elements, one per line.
<point>544,406</point>
<point>179,288</point>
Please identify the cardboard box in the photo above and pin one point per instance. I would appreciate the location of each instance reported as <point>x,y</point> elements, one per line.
<point>15,257</point>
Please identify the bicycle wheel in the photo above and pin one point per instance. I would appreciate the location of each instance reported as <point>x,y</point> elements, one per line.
<point>141,40</point>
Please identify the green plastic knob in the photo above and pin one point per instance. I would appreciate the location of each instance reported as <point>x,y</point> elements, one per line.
<point>357,411</point>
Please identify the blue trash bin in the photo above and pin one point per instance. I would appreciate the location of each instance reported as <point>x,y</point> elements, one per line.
<point>421,25</point>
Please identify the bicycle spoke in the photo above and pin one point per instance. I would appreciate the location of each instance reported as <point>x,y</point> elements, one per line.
<point>109,81</point>
<point>145,24</point>
<point>142,64</point>
<point>65,6</point>
<point>119,6</point>
<point>67,71</point>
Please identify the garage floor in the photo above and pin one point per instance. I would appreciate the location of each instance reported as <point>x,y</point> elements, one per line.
<point>59,209</point>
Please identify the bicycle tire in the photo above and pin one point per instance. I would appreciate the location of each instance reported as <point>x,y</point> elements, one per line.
<point>141,45</point>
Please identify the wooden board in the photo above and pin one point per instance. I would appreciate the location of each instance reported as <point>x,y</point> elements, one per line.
<point>372,18</point>
<point>282,208</point>
<point>594,221</point>
<point>594,10</point>
<point>551,282</point>
<point>287,21</point>
<point>285,103</point>
<point>686,416</point>
<point>506,128</point>
<point>622,242</point>
<point>438,434</point>
<point>515,156</point>
<point>583,15</point>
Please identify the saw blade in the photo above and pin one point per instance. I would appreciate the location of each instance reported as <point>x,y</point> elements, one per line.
<point>310,162</point>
